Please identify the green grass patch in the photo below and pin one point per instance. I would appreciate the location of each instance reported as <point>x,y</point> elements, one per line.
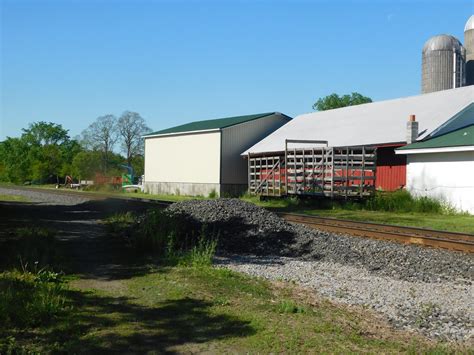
<point>187,309</point>
<point>13,198</point>
<point>397,208</point>
<point>453,223</point>
<point>30,299</point>
<point>176,309</point>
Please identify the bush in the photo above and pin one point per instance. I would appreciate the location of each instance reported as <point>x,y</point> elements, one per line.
<point>28,299</point>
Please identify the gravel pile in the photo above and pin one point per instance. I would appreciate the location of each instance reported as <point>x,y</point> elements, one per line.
<point>439,310</point>
<point>248,229</point>
<point>45,198</point>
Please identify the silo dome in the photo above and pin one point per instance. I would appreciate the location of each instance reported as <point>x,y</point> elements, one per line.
<point>442,43</point>
<point>469,24</point>
<point>443,64</point>
<point>469,44</point>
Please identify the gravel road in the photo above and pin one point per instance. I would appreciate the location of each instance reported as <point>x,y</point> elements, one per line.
<point>46,197</point>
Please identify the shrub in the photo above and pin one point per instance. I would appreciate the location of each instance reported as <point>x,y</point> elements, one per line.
<point>213,194</point>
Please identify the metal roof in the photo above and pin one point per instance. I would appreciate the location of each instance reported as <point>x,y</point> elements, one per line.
<point>374,123</point>
<point>211,124</point>
<point>458,138</point>
<point>442,43</point>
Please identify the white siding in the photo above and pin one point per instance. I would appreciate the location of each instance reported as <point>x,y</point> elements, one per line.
<point>192,158</point>
<point>237,139</point>
<point>446,176</point>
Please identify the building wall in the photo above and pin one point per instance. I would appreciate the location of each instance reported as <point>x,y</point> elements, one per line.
<point>445,176</point>
<point>391,169</point>
<point>237,139</point>
<point>182,163</point>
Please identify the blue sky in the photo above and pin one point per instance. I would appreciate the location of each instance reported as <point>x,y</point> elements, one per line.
<point>178,61</point>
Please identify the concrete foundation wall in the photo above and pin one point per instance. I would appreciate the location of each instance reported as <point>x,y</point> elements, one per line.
<point>194,189</point>
<point>181,188</point>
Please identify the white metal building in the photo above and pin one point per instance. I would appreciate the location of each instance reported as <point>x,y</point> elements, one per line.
<point>443,167</point>
<point>203,157</point>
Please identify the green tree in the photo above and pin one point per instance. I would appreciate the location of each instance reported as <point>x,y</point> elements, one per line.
<point>15,160</point>
<point>45,134</point>
<point>44,151</point>
<point>335,101</point>
<point>86,164</point>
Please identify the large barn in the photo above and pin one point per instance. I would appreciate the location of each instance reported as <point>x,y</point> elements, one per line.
<point>203,157</point>
<point>381,125</point>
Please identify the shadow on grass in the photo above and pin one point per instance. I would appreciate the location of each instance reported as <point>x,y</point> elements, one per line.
<point>116,325</point>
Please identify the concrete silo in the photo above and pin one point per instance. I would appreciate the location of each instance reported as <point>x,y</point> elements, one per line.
<point>469,44</point>
<point>443,64</point>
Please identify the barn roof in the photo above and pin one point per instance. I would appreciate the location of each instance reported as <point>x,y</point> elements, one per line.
<point>374,123</point>
<point>460,137</point>
<point>218,123</point>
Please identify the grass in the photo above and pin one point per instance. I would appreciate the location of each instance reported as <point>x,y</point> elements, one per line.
<point>454,223</point>
<point>13,198</point>
<point>30,299</point>
<point>397,208</point>
<point>188,309</point>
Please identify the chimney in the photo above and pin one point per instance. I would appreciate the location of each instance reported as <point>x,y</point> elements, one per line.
<point>412,129</point>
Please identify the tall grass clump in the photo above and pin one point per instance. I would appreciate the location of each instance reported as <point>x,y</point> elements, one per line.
<point>176,239</point>
<point>29,299</point>
<point>403,201</point>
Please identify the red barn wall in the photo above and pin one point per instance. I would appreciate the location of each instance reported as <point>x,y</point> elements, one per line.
<point>391,169</point>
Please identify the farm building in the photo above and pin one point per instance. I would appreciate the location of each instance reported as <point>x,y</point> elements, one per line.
<point>203,157</point>
<point>442,167</point>
<point>353,131</point>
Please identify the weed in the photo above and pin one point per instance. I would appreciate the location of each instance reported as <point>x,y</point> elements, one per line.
<point>26,299</point>
<point>289,306</point>
<point>120,222</point>
<point>213,194</point>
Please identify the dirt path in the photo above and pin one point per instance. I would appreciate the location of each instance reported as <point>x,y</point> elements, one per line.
<point>89,251</point>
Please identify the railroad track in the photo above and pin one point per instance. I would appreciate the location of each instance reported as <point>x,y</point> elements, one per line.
<point>408,235</point>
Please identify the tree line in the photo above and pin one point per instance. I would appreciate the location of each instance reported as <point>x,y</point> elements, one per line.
<point>46,153</point>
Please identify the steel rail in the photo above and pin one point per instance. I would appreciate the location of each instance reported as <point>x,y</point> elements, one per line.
<point>408,235</point>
